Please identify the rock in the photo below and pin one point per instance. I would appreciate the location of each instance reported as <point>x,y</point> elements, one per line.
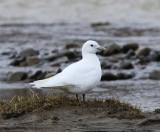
<point>28,52</point>
<point>143,60</point>
<point>50,74</point>
<point>111,49</point>
<point>71,45</point>
<point>130,46</point>
<point>52,57</point>
<point>144,52</point>
<point>126,65</point>
<point>9,53</point>
<point>130,54</point>
<point>155,75</point>
<point>33,60</point>
<point>124,76</point>
<point>38,75</point>
<point>17,76</point>
<point>71,54</point>
<point>100,24</point>
<point>18,61</point>
<point>154,56</point>
<point>108,77</point>
<point>23,61</point>
<point>106,65</point>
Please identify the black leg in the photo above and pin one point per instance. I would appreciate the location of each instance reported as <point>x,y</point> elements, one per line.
<point>77,97</point>
<point>83,97</point>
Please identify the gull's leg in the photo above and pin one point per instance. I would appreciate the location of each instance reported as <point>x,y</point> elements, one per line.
<point>77,97</point>
<point>83,97</point>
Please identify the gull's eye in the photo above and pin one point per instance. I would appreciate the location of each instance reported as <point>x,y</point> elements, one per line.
<point>91,45</point>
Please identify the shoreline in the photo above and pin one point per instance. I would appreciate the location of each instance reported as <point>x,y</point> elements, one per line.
<point>86,117</point>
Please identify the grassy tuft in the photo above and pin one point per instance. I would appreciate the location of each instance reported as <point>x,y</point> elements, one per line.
<point>19,105</point>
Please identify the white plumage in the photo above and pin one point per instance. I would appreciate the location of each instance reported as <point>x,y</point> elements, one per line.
<point>77,78</point>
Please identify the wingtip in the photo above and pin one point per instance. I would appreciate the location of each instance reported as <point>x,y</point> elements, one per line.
<point>33,85</point>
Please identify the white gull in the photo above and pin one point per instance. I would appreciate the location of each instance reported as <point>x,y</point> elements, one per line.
<point>79,77</point>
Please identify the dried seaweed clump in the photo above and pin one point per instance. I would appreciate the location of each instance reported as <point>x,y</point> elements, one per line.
<point>19,105</point>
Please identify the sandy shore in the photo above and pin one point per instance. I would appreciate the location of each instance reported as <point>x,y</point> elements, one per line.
<point>75,118</point>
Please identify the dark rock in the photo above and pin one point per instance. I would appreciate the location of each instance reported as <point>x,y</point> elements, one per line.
<point>50,74</point>
<point>154,56</point>
<point>9,53</point>
<point>38,75</point>
<point>33,60</point>
<point>52,57</point>
<point>130,54</point>
<point>71,45</point>
<point>144,52</point>
<point>108,77</point>
<point>71,55</point>
<point>155,75</point>
<point>100,24</point>
<point>111,49</point>
<point>23,61</point>
<point>59,70</point>
<point>106,65</point>
<point>143,60</point>
<point>28,52</point>
<point>130,46</point>
<point>124,76</point>
<point>17,76</point>
<point>18,61</point>
<point>126,65</point>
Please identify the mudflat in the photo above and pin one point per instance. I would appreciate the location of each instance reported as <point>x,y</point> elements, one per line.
<point>67,118</point>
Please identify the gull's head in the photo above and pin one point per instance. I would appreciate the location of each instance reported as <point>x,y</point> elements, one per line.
<point>91,47</point>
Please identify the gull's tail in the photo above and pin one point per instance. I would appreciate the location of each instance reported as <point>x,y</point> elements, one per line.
<point>49,82</point>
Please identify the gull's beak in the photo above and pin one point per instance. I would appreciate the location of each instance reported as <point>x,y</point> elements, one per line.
<point>101,49</point>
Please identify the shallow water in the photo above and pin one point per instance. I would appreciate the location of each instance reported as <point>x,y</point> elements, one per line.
<point>121,11</point>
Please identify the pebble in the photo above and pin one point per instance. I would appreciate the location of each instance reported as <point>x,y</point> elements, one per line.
<point>71,45</point>
<point>144,52</point>
<point>126,65</point>
<point>155,75</point>
<point>111,49</point>
<point>37,75</point>
<point>17,76</point>
<point>154,56</point>
<point>124,76</point>
<point>108,77</point>
<point>33,60</point>
<point>28,52</point>
<point>130,46</point>
<point>130,54</point>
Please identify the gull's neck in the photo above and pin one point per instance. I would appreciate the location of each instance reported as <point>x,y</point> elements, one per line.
<point>90,56</point>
